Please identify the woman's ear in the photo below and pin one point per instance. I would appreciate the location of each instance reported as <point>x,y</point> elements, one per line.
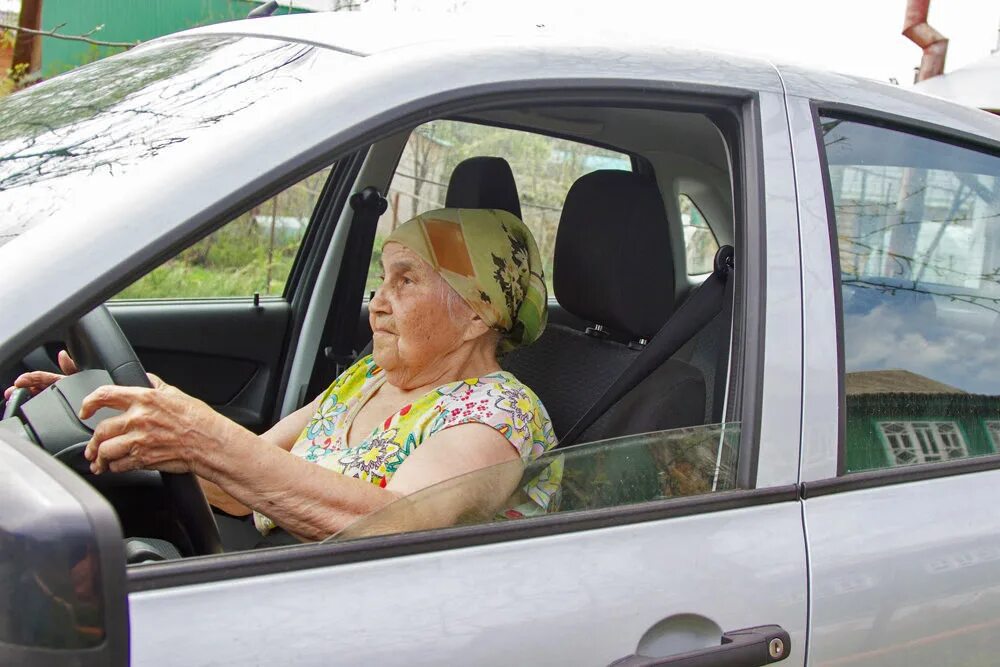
<point>475,327</point>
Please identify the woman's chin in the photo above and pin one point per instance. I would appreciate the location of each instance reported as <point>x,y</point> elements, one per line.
<point>384,355</point>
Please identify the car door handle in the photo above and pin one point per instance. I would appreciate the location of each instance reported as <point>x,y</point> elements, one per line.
<point>749,647</point>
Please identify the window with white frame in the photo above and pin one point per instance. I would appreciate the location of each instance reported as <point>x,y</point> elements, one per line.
<point>909,442</point>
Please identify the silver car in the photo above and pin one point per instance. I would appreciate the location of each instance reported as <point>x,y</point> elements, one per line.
<point>772,356</point>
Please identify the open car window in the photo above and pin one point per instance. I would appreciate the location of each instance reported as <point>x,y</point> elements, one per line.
<point>591,476</point>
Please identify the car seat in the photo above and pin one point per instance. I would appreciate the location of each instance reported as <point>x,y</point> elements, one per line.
<point>614,269</point>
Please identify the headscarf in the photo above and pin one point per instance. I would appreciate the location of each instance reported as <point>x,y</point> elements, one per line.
<point>491,259</point>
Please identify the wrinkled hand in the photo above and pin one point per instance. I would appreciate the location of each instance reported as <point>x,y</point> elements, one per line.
<point>35,381</point>
<point>159,428</point>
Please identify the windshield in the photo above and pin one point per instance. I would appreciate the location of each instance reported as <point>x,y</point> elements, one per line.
<point>608,473</point>
<point>63,137</point>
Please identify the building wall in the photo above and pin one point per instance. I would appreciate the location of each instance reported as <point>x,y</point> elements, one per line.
<point>125,21</point>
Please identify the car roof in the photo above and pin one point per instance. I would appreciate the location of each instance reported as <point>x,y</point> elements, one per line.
<point>370,34</point>
<point>373,34</point>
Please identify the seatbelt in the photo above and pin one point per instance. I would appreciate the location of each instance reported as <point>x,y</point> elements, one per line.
<point>699,309</point>
<point>341,324</point>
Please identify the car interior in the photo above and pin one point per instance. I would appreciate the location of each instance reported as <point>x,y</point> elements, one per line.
<point>620,278</point>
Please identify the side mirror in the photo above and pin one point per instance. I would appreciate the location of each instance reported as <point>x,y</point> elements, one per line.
<point>63,599</point>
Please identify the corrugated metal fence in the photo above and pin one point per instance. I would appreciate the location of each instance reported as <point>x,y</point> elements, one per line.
<point>125,21</point>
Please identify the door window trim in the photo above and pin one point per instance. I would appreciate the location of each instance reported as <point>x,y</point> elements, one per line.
<point>845,481</point>
<point>210,569</point>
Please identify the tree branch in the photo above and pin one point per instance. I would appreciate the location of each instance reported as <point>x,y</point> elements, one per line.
<point>73,38</point>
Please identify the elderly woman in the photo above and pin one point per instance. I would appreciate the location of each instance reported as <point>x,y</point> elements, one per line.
<point>430,403</point>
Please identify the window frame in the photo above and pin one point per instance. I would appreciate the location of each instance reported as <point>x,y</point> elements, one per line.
<point>845,480</point>
<point>737,113</point>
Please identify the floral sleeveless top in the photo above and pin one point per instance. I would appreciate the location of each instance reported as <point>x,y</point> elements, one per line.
<point>497,400</point>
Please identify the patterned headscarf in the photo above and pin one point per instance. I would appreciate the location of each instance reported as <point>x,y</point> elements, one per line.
<point>490,258</point>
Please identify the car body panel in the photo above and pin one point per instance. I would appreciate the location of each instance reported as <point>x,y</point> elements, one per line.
<point>579,598</point>
<point>885,99</point>
<point>781,381</point>
<point>906,573</point>
<point>820,377</point>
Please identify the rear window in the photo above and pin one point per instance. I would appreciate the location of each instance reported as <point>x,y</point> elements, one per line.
<point>61,138</point>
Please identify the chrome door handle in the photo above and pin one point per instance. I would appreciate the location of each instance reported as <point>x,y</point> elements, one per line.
<point>749,647</point>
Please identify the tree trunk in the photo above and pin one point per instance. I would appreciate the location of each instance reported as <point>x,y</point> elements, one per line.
<point>28,47</point>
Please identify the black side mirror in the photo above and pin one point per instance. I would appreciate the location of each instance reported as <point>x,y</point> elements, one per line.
<point>63,599</point>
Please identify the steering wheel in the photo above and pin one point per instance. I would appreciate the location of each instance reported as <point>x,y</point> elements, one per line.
<point>97,342</point>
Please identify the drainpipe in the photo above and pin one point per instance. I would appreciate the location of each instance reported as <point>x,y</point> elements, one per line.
<point>934,44</point>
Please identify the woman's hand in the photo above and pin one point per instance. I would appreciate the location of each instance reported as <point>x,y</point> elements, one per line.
<point>36,381</point>
<point>160,428</point>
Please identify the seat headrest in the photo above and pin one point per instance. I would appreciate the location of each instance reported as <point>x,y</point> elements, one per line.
<point>483,182</point>
<point>613,263</point>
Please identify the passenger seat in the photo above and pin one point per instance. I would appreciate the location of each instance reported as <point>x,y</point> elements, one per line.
<point>613,268</point>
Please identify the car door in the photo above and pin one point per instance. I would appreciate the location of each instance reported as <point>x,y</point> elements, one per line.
<point>656,576</point>
<point>900,464</point>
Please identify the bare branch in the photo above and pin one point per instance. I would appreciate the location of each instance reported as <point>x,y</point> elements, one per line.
<point>73,38</point>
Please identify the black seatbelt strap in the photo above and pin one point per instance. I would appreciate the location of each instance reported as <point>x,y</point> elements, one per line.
<point>342,321</point>
<point>699,309</point>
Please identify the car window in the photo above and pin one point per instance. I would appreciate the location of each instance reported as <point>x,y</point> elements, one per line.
<point>251,254</point>
<point>544,169</point>
<point>700,244</point>
<point>608,473</point>
<point>918,237</point>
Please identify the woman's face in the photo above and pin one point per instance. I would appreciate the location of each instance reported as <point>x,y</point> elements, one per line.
<point>416,318</point>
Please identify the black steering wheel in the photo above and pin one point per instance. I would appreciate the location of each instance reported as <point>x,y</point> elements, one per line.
<point>97,342</point>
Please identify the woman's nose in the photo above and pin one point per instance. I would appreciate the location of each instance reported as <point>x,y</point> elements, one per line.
<point>378,303</point>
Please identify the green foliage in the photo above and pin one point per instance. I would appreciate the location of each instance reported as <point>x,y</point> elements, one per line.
<point>231,262</point>
<point>253,253</point>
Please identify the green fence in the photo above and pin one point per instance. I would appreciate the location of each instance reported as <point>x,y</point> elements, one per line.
<point>125,21</point>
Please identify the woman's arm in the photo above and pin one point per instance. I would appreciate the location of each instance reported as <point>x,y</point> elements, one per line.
<point>314,503</point>
<point>164,429</point>
<point>282,435</point>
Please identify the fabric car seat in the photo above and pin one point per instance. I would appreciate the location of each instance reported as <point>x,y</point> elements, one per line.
<point>613,268</point>
<point>483,182</point>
